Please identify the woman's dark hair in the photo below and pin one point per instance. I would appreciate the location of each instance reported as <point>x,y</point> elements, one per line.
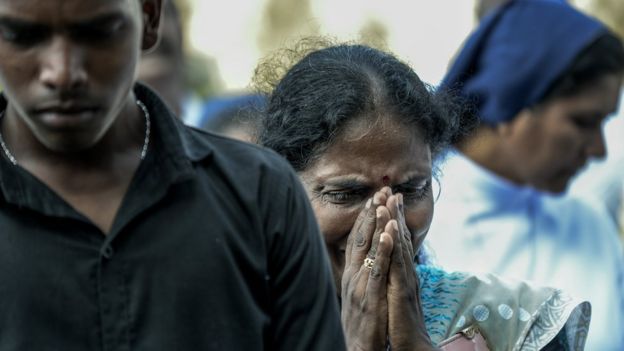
<point>604,56</point>
<point>315,99</point>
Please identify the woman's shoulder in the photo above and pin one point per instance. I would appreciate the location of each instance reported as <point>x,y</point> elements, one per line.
<point>511,315</point>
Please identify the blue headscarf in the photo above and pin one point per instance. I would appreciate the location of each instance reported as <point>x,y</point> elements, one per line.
<point>511,60</point>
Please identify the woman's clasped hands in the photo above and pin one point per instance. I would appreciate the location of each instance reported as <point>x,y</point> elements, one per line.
<point>380,294</point>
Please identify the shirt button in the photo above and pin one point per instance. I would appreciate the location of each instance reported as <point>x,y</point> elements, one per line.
<point>107,252</point>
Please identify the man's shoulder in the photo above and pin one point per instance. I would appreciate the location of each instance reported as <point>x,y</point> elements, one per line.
<point>225,152</point>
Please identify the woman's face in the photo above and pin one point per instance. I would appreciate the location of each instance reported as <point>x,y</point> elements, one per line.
<point>371,153</point>
<point>552,142</point>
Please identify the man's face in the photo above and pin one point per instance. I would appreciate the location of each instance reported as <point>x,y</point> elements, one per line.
<point>67,66</point>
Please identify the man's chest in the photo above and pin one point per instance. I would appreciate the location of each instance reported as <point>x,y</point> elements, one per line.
<point>163,269</point>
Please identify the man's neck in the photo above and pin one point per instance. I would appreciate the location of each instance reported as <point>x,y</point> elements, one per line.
<point>94,181</point>
<point>124,136</point>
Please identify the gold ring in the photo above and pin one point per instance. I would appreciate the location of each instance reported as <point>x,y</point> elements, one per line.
<point>369,262</point>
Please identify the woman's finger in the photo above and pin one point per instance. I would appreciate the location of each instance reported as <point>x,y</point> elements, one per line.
<point>396,275</point>
<point>356,226</point>
<point>395,207</point>
<point>378,275</point>
<point>383,216</point>
<point>405,235</point>
<point>363,233</point>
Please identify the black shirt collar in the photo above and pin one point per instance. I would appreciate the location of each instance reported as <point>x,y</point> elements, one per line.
<point>170,157</point>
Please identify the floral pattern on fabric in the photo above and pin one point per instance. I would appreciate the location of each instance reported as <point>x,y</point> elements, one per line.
<point>547,325</point>
<point>510,315</point>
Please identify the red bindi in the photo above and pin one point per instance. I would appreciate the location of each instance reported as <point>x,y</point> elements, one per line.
<point>386,180</point>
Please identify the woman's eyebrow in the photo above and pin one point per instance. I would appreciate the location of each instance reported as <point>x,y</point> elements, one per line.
<point>347,183</point>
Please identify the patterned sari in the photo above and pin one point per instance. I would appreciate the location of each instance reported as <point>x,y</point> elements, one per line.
<point>509,315</point>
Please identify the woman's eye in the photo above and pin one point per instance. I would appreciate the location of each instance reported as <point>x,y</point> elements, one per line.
<point>340,197</point>
<point>414,193</point>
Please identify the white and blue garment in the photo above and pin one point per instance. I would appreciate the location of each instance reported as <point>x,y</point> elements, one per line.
<point>510,315</point>
<point>484,223</point>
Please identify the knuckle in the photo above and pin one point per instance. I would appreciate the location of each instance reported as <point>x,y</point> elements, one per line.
<point>360,239</point>
<point>372,252</point>
<point>351,294</point>
<point>376,273</point>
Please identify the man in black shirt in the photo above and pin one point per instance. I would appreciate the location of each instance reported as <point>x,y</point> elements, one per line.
<point>122,229</point>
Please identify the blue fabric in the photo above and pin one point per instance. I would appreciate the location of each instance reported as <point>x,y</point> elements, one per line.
<point>215,106</point>
<point>516,54</point>
<point>439,297</point>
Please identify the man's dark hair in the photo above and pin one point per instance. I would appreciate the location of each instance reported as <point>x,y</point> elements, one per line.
<point>603,57</point>
<point>312,103</point>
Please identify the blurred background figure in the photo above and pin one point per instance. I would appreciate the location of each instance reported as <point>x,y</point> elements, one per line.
<point>234,116</point>
<point>209,50</point>
<point>542,78</point>
<point>603,182</point>
<point>163,68</point>
<point>484,7</point>
<point>182,79</point>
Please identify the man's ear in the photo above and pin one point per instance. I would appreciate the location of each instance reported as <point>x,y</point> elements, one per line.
<point>151,13</point>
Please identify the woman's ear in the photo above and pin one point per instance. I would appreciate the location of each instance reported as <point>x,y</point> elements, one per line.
<point>151,13</point>
<point>506,129</point>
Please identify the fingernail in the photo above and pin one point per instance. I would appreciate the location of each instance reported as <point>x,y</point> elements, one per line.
<point>395,226</point>
<point>378,212</point>
<point>368,203</point>
<point>382,239</point>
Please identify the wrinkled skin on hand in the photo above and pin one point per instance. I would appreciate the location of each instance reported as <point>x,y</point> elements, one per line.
<point>381,305</point>
<point>406,325</point>
<point>364,302</point>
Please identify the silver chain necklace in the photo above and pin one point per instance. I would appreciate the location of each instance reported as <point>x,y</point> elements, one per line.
<point>148,130</point>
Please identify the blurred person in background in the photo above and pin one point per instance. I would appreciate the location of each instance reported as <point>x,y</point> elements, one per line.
<point>484,7</point>
<point>235,116</point>
<point>362,130</point>
<point>603,182</point>
<point>166,69</point>
<point>541,77</point>
<point>163,68</point>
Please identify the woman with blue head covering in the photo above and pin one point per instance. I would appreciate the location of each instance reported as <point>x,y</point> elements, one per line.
<point>541,78</point>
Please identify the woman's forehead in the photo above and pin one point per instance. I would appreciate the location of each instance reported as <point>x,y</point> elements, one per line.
<point>368,154</point>
<point>378,124</point>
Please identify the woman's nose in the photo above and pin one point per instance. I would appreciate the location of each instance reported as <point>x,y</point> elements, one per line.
<point>596,147</point>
